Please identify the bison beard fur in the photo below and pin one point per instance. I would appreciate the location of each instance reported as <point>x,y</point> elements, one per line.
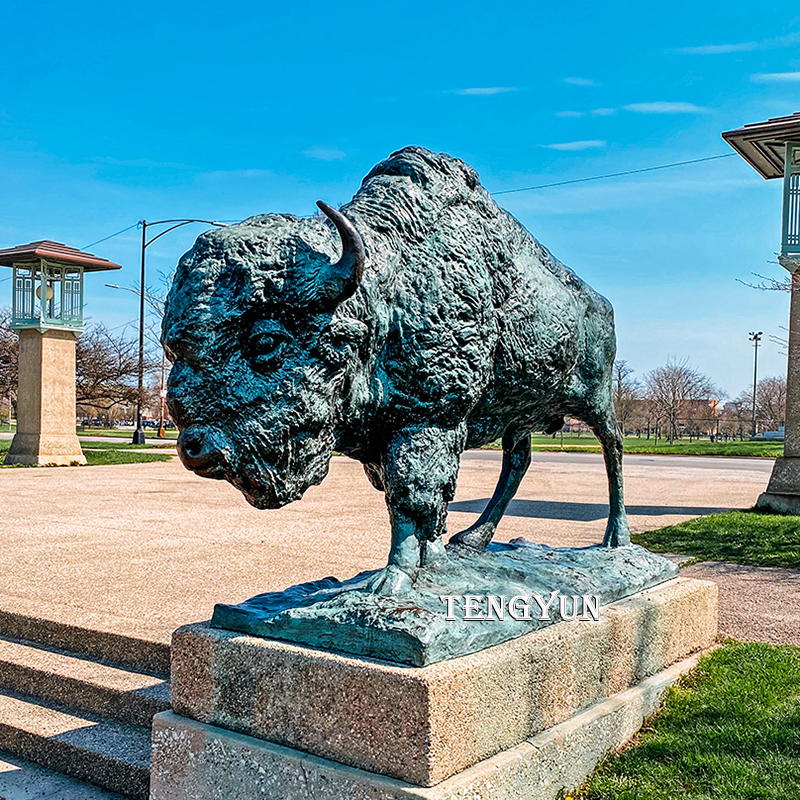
<point>416,322</point>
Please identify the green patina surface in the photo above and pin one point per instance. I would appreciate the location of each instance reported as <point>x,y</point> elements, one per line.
<point>415,322</point>
<point>412,628</point>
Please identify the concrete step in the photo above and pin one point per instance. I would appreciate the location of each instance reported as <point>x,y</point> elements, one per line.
<point>109,754</point>
<point>127,651</point>
<point>84,685</point>
<point>23,780</point>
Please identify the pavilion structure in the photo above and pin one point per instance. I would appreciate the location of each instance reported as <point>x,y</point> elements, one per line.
<point>47,313</point>
<point>772,148</point>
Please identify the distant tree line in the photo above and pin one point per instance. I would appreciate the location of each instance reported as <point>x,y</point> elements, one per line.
<point>677,400</point>
<point>106,371</point>
<point>670,401</point>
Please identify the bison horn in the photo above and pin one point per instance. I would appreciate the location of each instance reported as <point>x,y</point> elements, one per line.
<point>340,280</point>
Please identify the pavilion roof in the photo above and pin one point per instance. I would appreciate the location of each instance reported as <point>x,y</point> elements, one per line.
<point>55,252</point>
<point>761,144</point>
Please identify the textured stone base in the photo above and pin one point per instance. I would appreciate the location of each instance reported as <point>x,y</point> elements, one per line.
<point>425,724</point>
<point>194,761</point>
<point>785,477</point>
<point>43,449</point>
<point>779,503</point>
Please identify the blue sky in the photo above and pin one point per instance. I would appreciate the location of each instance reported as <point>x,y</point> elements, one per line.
<point>110,113</point>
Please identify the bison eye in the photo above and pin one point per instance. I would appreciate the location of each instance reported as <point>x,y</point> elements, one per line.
<point>266,342</point>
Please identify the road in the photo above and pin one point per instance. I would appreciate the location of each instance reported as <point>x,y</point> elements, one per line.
<point>142,548</point>
<point>634,459</point>
<point>566,457</point>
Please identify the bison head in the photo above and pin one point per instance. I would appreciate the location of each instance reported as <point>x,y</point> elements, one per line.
<point>260,351</point>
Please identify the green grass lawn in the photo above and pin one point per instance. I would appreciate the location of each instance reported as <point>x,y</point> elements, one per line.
<point>158,444</point>
<point>704,448</point>
<point>740,537</point>
<point>104,453</point>
<point>125,433</point>
<point>730,730</point>
<point>95,458</point>
<point>634,444</point>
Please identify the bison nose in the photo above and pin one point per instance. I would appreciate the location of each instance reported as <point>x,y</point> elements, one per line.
<point>200,449</point>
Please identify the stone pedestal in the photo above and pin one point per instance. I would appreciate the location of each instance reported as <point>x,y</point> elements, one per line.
<point>46,400</point>
<point>783,491</point>
<point>524,719</point>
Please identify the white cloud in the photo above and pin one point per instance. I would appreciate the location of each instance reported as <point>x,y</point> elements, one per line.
<point>665,108</point>
<point>718,49</point>
<point>776,77</point>
<point>580,82</point>
<point>325,153</point>
<point>584,145</point>
<point>144,163</point>
<point>595,112</point>
<point>235,174</point>
<point>486,90</point>
<point>738,47</point>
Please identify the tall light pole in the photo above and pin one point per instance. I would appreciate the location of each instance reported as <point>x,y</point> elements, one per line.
<point>755,338</point>
<point>138,434</point>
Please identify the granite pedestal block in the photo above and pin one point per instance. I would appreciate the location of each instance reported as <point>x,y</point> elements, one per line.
<point>255,717</point>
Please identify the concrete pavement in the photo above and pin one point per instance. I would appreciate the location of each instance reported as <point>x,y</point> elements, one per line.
<point>141,549</point>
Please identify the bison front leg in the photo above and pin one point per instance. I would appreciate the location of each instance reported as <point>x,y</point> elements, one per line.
<point>418,471</point>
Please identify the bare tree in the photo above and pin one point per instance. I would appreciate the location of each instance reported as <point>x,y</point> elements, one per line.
<point>625,393</point>
<point>770,284</point>
<point>736,416</point>
<point>671,388</point>
<point>770,402</point>
<point>106,369</point>
<point>105,366</point>
<point>155,354</point>
<point>9,360</point>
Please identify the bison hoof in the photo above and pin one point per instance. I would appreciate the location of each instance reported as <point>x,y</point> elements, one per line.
<point>390,580</point>
<point>617,533</point>
<point>474,538</point>
<point>433,552</point>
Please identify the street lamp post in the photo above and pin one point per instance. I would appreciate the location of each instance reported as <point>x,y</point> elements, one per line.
<point>755,338</point>
<point>138,434</point>
<point>162,392</point>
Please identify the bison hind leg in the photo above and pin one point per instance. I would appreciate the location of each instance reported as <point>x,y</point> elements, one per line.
<point>554,425</point>
<point>373,473</point>
<point>603,423</point>
<point>516,460</point>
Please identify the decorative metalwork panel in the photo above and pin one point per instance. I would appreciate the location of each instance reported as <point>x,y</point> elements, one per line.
<point>47,295</point>
<point>22,304</point>
<point>72,305</point>
<point>790,241</point>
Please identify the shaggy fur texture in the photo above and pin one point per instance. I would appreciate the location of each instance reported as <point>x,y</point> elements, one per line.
<point>463,330</point>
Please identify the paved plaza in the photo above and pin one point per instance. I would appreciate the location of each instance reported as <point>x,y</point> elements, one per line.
<point>141,549</point>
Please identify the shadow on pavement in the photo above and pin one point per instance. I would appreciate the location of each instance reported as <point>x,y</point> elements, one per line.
<point>582,512</point>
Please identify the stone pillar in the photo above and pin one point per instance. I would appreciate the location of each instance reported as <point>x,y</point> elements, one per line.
<point>46,400</point>
<point>783,491</point>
